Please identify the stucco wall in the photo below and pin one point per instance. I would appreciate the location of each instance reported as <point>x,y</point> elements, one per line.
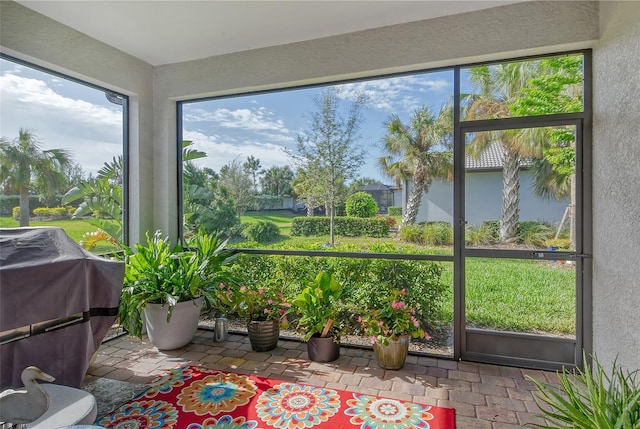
<point>616,185</point>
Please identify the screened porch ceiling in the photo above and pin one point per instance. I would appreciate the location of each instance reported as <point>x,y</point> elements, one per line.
<point>166,32</point>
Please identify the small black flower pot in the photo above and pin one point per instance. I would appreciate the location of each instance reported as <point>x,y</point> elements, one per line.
<point>323,349</point>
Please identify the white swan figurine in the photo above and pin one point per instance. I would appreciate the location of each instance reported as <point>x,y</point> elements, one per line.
<point>25,405</point>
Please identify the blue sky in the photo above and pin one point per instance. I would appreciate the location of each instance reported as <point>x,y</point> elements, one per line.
<point>263,125</point>
<point>65,114</point>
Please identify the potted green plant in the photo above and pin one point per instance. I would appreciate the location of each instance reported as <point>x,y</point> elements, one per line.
<point>590,398</point>
<point>262,309</point>
<point>166,286</point>
<point>390,328</point>
<point>318,308</point>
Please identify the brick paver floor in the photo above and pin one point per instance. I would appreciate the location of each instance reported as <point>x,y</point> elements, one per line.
<point>484,396</point>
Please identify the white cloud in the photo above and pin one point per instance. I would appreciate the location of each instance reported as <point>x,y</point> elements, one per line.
<point>254,119</point>
<point>91,132</point>
<point>393,93</point>
<point>222,151</point>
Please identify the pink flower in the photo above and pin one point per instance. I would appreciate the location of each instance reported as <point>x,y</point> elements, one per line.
<point>373,340</point>
<point>261,291</point>
<point>269,301</point>
<point>266,311</point>
<point>222,285</point>
<point>427,336</point>
<point>381,323</point>
<point>403,291</point>
<point>359,319</point>
<point>243,288</point>
<point>416,323</point>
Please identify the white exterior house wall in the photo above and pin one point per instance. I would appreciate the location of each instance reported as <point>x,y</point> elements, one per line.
<point>483,200</point>
<point>515,30</point>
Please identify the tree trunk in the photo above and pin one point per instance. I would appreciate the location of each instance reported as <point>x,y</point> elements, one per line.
<point>24,206</point>
<point>413,204</point>
<point>510,197</point>
<point>331,225</point>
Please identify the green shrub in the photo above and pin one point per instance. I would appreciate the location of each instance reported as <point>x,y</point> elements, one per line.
<point>394,210</point>
<point>308,226</point>
<point>534,233</point>
<point>370,279</point>
<point>560,243</point>
<point>263,231</point>
<point>481,235</point>
<point>428,234</point>
<point>54,212</point>
<point>15,213</point>
<point>361,204</point>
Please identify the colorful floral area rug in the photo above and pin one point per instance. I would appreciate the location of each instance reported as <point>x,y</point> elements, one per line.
<point>190,397</point>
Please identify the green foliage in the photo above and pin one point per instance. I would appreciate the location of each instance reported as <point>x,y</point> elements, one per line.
<point>263,231</point>
<point>394,210</point>
<point>345,226</point>
<point>428,234</point>
<point>368,279</point>
<point>254,302</point>
<point>391,319</point>
<point>533,233</point>
<point>318,305</point>
<point>15,213</point>
<point>159,273</point>
<point>481,235</point>
<point>560,243</point>
<point>8,202</point>
<point>269,202</point>
<point>54,212</point>
<point>361,204</point>
<point>590,399</point>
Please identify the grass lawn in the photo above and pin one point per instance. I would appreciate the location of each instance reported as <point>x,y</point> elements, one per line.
<point>282,218</point>
<point>74,228</point>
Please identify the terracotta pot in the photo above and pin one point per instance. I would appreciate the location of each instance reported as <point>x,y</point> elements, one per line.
<point>393,355</point>
<point>323,349</point>
<point>263,334</point>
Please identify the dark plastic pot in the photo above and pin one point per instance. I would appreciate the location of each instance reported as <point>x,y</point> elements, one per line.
<point>323,349</point>
<point>263,335</point>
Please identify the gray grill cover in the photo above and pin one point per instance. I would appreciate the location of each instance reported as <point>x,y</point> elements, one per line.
<point>45,275</point>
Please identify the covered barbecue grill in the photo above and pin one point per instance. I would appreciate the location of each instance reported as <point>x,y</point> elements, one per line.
<point>57,302</point>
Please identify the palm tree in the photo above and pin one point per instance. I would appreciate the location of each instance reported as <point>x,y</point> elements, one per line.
<point>499,86</point>
<point>23,164</point>
<point>417,150</point>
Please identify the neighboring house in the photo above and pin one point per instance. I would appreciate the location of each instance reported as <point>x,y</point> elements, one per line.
<point>383,195</point>
<point>483,194</point>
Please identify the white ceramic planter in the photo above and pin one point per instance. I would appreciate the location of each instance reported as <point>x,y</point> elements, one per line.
<point>181,328</point>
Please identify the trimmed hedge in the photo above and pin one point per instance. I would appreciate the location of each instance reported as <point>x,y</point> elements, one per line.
<point>307,226</point>
<point>394,210</point>
<point>54,212</point>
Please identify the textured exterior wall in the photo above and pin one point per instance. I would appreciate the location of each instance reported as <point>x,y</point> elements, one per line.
<point>32,37</point>
<point>616,185</point>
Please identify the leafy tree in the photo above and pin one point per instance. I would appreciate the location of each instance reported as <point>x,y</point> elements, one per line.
<point>417,150</point>
<point>236,179</point>
<point>278,181</point>
<point>327,153</point>
<point>23,165</point>
<point>253,167</point>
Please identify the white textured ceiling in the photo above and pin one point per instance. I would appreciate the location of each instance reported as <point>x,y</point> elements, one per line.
<point>164,32</point>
